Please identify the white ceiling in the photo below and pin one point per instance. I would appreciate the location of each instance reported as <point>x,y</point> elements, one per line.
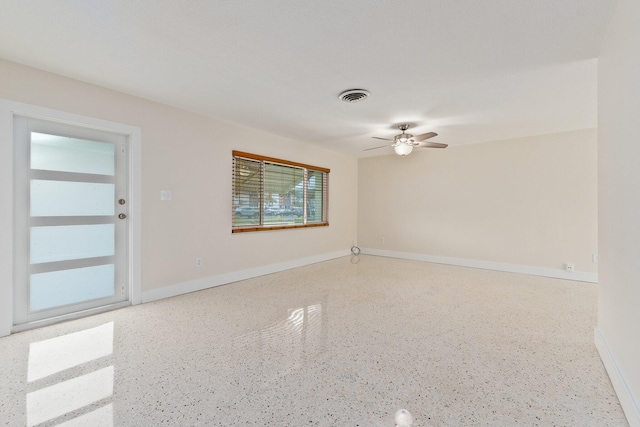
<point>470,70</point>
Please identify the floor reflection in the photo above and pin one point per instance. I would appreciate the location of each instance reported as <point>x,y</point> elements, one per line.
<point>52,356</point>
<point>286,344</point>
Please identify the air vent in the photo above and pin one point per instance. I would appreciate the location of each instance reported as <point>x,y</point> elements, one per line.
<point>354,95</point>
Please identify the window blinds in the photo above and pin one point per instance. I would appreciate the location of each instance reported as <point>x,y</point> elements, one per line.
<point>271,193</point>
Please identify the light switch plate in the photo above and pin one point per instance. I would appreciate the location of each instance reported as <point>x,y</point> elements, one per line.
<point>166,195</point>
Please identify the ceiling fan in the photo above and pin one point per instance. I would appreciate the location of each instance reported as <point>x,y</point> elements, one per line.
<point>403,143</point>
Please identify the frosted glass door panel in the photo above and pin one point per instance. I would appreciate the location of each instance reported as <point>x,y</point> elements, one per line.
<point>64,154</point>
<point>63,243</point>
<point>72,201</point>
<point>70,286</point>
<point>67,198</point>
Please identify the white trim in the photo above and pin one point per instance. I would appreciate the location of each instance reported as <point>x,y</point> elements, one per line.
<point>70,316</point>
<point>557,273</point>
<point>6,219</point>
<point>9,109</point>
<point>223,279</point>
<point>628,402</point>
<point>135,215</point>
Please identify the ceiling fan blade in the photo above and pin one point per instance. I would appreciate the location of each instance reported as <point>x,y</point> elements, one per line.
<point>384,139</point>
<point>375,148</point>
<point>427,144</point>
<point>424,136</point>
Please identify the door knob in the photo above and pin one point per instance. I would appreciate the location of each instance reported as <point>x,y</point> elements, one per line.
<point>122,216</point>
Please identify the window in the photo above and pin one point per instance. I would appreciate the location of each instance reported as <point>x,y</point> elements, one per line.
<point>272,194</point>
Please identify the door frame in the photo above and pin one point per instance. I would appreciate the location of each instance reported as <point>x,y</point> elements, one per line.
<point>9,109</point>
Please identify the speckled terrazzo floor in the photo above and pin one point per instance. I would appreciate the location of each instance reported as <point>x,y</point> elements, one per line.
<point>340,343</point>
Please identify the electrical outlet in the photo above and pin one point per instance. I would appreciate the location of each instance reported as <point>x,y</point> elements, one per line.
<point>594,258</point>
<point>381,239</point>
<point>198,262</point>
<point>570,267</point>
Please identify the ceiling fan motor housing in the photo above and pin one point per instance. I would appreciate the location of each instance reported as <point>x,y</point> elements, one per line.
<point>403,138</point>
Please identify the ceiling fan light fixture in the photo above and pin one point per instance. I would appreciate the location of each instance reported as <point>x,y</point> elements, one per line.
<point>404,143</point>
<point>403,149</point>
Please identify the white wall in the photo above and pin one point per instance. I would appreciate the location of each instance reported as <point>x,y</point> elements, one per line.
<point>527,204</point>
<point>618,332</point>
<point>190,154</point>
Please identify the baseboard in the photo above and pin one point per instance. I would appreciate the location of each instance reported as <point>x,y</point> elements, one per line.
<point>625,396</point>
<point>579,276</point>
<point>223,279</point>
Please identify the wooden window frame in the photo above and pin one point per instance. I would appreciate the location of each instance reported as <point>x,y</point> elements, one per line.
<point>272,160</point>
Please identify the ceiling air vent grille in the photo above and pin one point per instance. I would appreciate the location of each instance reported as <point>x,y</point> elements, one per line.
<point>354,95</point>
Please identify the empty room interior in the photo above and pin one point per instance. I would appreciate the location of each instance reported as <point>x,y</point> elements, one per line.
<point>411,213</point>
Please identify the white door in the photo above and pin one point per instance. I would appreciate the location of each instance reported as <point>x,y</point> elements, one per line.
<point>71,220</point>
